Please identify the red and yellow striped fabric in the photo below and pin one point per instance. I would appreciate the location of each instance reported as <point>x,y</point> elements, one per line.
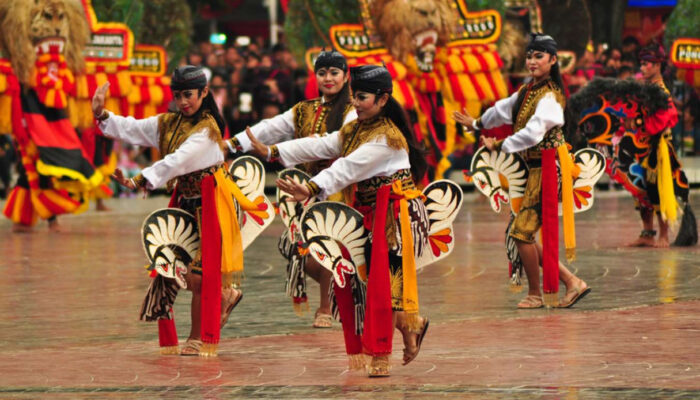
<point>9,87</point>
<point>29,200</point>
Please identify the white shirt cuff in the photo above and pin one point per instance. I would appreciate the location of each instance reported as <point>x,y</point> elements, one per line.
<point>244,142</point>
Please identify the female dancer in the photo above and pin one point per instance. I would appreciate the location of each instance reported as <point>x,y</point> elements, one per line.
<point>326,113</point>
<point>378,152</point>
<point>192,148</point>
<point>537,114</point>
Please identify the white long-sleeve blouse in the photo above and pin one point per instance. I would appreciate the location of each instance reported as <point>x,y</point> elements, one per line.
<point>197,152</point>
<point>548,114</point>
<point>374,158</point>
<point>277,129</point>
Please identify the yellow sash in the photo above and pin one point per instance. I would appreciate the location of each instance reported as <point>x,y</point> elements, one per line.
<point>231,243</point>
<point>567,201</point>
<point>408,264</point>
<point>667,198</point>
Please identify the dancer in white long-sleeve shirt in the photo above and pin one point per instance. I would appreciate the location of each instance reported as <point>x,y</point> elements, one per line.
<point>315,117</point>
<point>193,158</point>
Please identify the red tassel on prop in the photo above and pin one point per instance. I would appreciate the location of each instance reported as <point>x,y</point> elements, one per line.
<point>550,227</point>
<point>378,326</point>
<point>211,270</point>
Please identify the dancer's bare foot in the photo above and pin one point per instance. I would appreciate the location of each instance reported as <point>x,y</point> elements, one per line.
<point>645,239</point>
<point>54,226</point>
<point>100,206</point>
<point>662,242</point>
<point>19,228</point>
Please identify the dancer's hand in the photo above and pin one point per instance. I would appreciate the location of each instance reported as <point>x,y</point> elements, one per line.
<point>298,191</point>
<point>122,180</point>
<point>258,148</point>
<point>98,100</point>
<point>464,119</point>
<point>489,143</point>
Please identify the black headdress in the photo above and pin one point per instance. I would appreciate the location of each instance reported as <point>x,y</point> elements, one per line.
<point>329,59</point>
<point>371,79</point>
<point>542,42</point>
<point>188,77</point>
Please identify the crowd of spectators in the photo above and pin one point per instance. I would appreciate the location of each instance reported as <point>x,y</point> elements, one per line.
<point>250,81</point>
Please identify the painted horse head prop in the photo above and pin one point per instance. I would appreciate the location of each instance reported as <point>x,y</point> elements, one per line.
<point>502,178</point>
<point>336,234</point>
<point>499,176</point>
<point>171,236</point>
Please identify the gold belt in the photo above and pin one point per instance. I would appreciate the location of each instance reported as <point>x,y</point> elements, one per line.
<point>189,185</point>
<point>366,193</point>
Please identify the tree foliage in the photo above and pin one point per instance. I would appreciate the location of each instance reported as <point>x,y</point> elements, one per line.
<point>308,22</point>
<point>683,22</point>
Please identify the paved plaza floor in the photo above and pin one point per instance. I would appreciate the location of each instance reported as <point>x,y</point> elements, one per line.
<point>69,328</point>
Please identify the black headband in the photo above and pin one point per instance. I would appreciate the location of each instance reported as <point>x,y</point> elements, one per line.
<point>653,53</point>
<point>188,77</point>
<point>544,43</point>
<point>329,59</point>
<point>370,79</point>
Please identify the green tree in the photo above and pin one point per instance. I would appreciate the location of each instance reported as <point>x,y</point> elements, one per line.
<point>683,22</point>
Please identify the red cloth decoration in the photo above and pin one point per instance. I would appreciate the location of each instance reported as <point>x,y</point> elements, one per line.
<point>211,264</point>
<point>550,222</point>
<point>346,309</point>
<point>378,325</point>
<point>167,335</point>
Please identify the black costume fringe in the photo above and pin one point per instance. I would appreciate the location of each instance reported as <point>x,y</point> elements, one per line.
<point>688,232</point>
<point>651,98</point>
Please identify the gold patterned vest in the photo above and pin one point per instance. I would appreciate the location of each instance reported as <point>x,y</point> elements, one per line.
<point>173,130</point>
<point>528,97</point>
<point>310,119</point>
<point>357,133</point>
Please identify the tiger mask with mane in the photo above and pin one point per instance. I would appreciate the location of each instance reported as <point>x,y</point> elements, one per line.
<point>32,27</point>
<point>413,28</point>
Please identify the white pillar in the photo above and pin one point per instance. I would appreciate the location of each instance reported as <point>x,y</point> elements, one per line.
<point>274,27</point>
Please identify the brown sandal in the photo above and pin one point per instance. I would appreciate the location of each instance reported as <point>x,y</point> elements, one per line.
<point>579,293</point>
<point>229,301</point>
<point>191,347</point>
<point>531,302</point>
<point>410,356</point>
